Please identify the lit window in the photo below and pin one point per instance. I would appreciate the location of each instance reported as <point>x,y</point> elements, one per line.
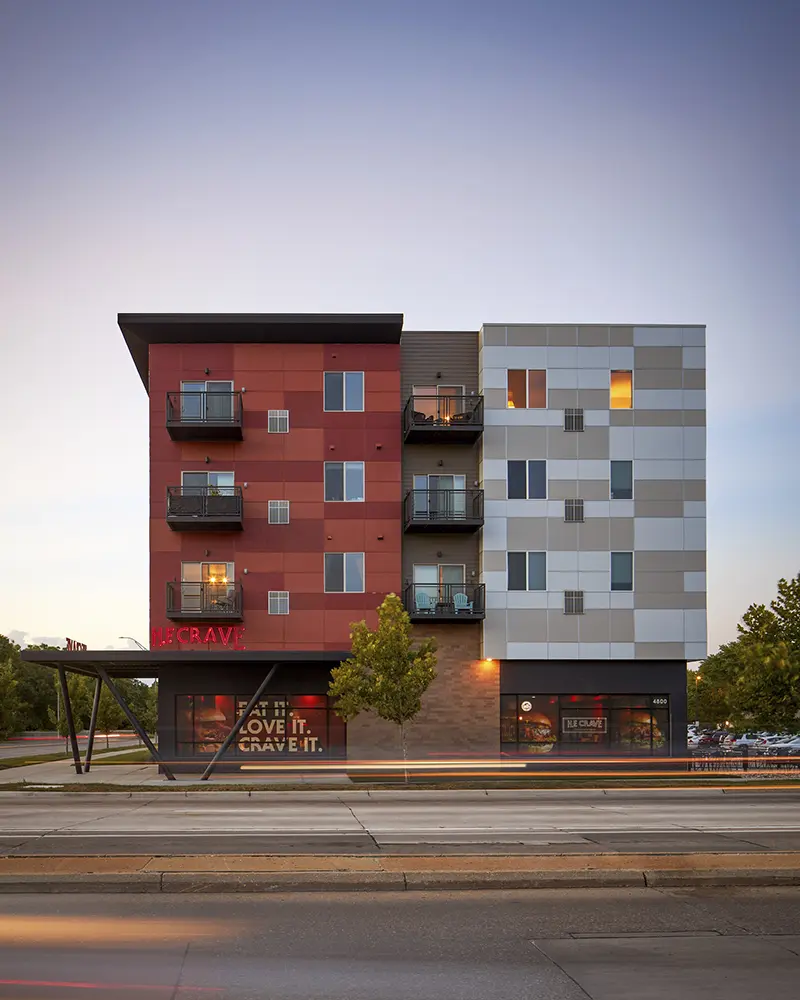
<point>344,481</point>
<point>278,602</point>
<point>344,572</point>
<point>527,389</point>
<point>278,511</point>
<point>621,390</point>
<point>344,391</point>
<point>278,422</point>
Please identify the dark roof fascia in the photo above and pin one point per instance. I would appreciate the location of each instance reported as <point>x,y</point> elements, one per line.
<point>148,663</point>
<point>142,329</point>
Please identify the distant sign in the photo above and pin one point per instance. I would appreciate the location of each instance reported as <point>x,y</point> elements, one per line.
<point>75,646</point>
<point>574,724</point>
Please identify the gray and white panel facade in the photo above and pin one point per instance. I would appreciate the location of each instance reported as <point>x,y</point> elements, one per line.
<point>663,525</point>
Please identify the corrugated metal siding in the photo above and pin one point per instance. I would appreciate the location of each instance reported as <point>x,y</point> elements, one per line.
<point>424,353</point>
<point>455,548</point>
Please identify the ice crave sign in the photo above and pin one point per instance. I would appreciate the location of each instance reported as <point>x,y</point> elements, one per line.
<point>269,729</point>
<point>229,635</point>
<point>574,724</point>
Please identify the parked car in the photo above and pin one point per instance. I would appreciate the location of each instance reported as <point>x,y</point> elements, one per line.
<point>783,748</point>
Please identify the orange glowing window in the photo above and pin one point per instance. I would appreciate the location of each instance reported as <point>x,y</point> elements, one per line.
<point>527,389</point>
<point>516,389</point>
<point>621,390</point>
<point>537,390</point>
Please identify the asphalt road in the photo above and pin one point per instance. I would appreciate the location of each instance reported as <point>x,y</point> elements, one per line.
<point>604,944</point>
<point>362,822</point>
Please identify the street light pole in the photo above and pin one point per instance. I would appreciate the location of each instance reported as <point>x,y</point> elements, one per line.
<point>130,637</point>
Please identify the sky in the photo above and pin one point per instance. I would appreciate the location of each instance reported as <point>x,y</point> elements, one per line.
<point>624,161</point>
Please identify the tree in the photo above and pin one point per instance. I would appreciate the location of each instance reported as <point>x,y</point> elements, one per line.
<point>10,704</point>
<point>386,673</point>
<point>109,715</point>
<point>80,700</point>
<point>767,693</point>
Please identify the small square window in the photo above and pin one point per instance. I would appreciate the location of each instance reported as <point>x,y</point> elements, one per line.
<point>527,388</point>
<point>573,510</point>
<point>573,419</point>
<point>278,512</point>
<point>278,602</point>
<point>527,571</point>
<point>573,602</point>
<point>278,422</point>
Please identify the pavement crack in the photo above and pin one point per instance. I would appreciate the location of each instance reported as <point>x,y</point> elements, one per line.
<point>366,831</point>
<point>177,988</point>
<point>561,969</point>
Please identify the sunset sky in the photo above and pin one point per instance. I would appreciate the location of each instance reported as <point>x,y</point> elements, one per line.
<point>460,162</point>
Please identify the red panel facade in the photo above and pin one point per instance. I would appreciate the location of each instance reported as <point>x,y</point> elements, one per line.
<point>285,467</point>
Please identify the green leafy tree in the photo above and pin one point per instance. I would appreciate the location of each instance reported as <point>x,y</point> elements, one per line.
<point>10,704</point>
<point>767,692</point>
<point>80,692</point>
<point>387,673</point>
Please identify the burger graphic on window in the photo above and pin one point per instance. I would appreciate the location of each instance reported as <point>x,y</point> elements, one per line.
<point>536,729</point>
<point>636,730</point>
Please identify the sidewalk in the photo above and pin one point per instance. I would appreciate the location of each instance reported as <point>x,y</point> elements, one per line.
<point>62,772</point>
<point>320,873</point>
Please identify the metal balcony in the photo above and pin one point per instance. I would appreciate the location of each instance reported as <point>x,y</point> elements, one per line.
<point>447,602</point>
<point>440,419</point>
<point>206,602</point>
<point>204,416</point>
<point>443,510</point>
<point>204,508</point>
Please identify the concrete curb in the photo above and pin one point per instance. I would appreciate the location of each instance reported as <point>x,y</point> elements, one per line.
<point>236,882</point>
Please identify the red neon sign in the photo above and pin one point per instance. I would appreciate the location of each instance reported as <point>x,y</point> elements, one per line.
<point>230,636</point>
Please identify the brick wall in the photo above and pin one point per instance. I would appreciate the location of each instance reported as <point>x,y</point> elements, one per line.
<point>460,711</point>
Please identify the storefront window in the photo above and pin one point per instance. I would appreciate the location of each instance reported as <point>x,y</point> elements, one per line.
<point>279,725</point>
<point>635,725</point>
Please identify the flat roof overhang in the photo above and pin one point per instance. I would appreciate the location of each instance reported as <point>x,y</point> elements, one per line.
<point>150,663</point>
<point>142,329</point>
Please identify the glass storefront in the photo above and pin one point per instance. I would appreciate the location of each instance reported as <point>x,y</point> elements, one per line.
<point>571,724</point>
<point>285,725</point>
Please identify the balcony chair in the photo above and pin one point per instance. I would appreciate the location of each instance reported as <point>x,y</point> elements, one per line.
<point>423,603</point>
<point>462,603</point>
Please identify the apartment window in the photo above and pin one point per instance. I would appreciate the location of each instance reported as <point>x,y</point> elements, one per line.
<point>344,481</point>
<point>527,480</point>
<point>573,419</point>
<point>344,572</point>
<point>278,512</point>
<point>211,401</point>
<point>278,602</point>
<point>216,483</point>
<point>344,391</point>
<point>621,390</point>
<point>622,571</point>
<point>622,480</point>
<point>573,602</point>
<point>527,389</point>
<point>527,571</point>
<point>573,510</point>
<point>278,422</point>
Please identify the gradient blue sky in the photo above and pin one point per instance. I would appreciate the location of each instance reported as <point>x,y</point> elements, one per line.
<point>562,161</point>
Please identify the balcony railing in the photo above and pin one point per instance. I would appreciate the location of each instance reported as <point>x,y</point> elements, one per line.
<point>443,418</point>
<point>451,602</point>
<point>204,508</point>
<point>208,602</point>
<point>443,510</point>
<point>204,416</point>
